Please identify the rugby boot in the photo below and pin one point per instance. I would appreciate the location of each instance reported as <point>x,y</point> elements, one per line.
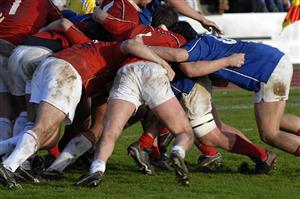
<point>264,167</point>
<point>181,170</point>
<point>90,180</point>
<point>8,178</point>
<point>209,163</point>
<point>141,157</point>
<point>25,176</point>
<point>52,175</point>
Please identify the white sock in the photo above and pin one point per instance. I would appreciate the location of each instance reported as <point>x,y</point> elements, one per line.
<point>27,145</point>
<point>179,149</point>
<point>5,128</point>
<point>20,123</point>
<point>74,149</point>
<point>8,145</point>
<point>98,165</point>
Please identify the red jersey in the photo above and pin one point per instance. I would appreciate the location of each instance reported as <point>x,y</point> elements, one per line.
<point>96,62</point>
<point>124,12</point>
<point>19,19</point>
<point>66,39</point>
<point>154,37</point>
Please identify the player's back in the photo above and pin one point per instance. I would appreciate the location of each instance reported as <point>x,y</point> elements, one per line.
<point>260,59</point>
<point>23,18</point>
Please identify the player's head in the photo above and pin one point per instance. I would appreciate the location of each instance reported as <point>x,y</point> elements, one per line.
<point>94,30</point>
<point>185,29</point>
<point>165,15</point>
<point>142,3</point>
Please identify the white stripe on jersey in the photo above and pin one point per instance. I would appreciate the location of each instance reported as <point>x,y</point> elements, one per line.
<point>240,74</point>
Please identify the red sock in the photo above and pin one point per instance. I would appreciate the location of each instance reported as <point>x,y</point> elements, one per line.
<point>54,151</point>
<point>155,153</point>
<point>146,141</point>
<point>206,150</point>
<point>297,153</point>
<point>163,131</point>
<point>298,132</point>
<point>254,152</point>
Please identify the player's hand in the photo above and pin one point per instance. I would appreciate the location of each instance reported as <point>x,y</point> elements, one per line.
<point>208,25</point>
<point>60,25</point>
<point>170,71</point>
<point>99,15</point>
<point>236,59</point>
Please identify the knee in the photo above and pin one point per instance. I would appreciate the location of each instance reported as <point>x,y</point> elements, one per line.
<point>268,137</point>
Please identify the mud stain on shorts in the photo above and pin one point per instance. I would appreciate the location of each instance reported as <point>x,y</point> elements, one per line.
<point>65,80</point>
<point>279,89</point>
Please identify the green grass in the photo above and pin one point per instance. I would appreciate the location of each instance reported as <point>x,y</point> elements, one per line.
<point>123,181</point>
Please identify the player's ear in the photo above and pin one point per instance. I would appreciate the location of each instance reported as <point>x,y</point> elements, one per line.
<point>163,26</point>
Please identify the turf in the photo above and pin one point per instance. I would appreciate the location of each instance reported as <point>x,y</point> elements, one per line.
<point>122,179</point>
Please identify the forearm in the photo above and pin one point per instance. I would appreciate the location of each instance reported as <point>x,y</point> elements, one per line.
<point>171,54</point>
<point>140,50</point>
<point>182,7</point>
<point>202,68</point>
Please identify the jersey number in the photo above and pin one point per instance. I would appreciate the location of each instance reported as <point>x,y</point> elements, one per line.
<point>14,7</point>
<point>225,40</point>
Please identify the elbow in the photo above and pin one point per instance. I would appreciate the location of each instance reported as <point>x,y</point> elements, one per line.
<point>181,55</point>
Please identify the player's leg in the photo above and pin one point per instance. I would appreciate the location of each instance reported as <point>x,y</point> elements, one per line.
<point>56,101</point>
<point>269,107</point>
<point>78,145</point>
<point>290,123</point>
<point>21,65</point>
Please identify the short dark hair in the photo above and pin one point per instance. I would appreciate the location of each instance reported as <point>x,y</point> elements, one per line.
<point>95,30</point>
<point>185,29</point>
<point>164,15</point>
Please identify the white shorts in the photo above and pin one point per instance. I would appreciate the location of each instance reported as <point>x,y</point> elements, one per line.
<point>278,86</point>
<point>198,107</point>
<point>142,83</point>
<point>21,66</point>
<point>56,82</point>
<point>3,74</point>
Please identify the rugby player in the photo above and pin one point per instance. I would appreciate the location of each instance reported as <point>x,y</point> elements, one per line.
<point>266,71</point>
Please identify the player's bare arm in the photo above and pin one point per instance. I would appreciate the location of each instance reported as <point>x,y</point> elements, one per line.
<point>183,8</point>
<point>140,50</point>
<point>202,68</point>
<point>60,25</point>
<point>171,54</point>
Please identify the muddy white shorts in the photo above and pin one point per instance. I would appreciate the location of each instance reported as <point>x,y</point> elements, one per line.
<point>142,83</point>
<point>21,66</point>
<point>278,86</point>
<point>3,74</point>
<point>56,82</point>
<point>198,107</point>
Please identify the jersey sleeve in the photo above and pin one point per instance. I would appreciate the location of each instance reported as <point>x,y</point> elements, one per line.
<point>117,26</point>
<point>53,12</point>
<point>167,39</point>
<point>196,50</point>
<point>75,36</point>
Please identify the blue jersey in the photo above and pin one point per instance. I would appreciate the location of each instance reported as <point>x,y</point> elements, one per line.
<point>74,17</point>
<point>146,14</point>
<point>182,84</point>
<point>260,59</point>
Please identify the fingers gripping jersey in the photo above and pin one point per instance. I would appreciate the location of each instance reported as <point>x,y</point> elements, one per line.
<point>21,18</point>
<point>260,59</point>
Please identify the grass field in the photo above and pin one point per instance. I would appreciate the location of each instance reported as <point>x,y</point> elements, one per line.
<point>123,181</point>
